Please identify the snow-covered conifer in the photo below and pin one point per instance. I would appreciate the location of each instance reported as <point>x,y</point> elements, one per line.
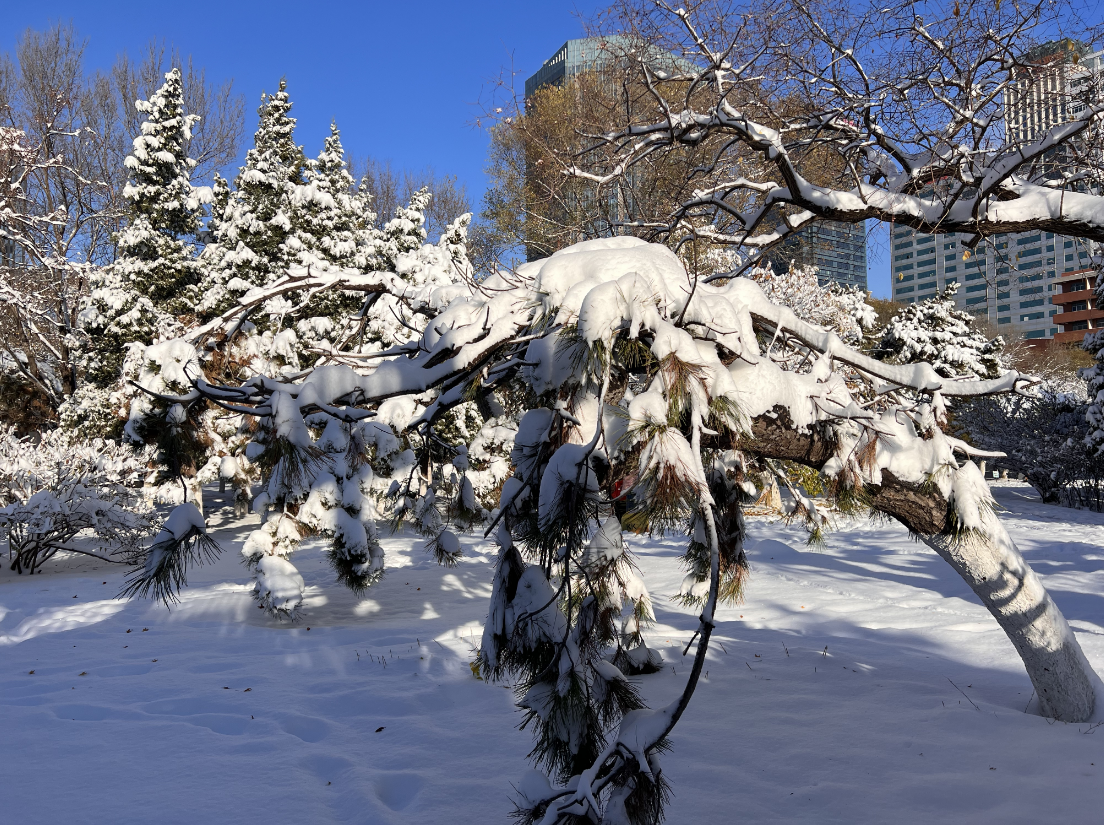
<point>250,240</point>
<point>332,219</point>
<point>138,298</point>
<point>935,331</point>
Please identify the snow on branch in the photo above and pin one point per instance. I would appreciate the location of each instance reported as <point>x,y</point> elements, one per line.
<point>809,112</point>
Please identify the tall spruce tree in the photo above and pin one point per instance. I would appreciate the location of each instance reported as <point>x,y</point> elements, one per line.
<point>333,220</point>
<point>137,299</point>
<point>334,226</point>
<point>251,235</point>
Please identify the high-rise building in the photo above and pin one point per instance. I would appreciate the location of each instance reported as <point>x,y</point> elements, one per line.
<point>574,57</point>
<point>1036,283</point>
<point>1008,279</point>
<point>838,250</point>
<point>1049,88</point>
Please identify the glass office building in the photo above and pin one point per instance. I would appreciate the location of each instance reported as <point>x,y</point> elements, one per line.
<point>838,250</point>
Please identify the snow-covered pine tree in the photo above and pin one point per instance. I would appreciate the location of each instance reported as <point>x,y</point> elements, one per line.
<point>250,240</point>
<point>634,396</point>
<point>137,299</point>
<point>936,332</point>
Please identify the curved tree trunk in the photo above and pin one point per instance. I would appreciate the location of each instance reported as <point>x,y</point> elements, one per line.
<point>988,560</point>
<point>1008,587</point>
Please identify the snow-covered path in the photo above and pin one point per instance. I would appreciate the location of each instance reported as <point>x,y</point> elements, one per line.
<point>843,690</point>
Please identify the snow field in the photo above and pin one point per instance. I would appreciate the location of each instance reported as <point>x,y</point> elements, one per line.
<point>217,714</point>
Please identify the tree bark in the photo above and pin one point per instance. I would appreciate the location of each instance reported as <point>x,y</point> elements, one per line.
<point>988,560</point>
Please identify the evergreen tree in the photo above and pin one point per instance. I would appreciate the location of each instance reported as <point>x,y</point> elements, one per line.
<point>332,219</point>
<point>251,235</point>
<point>937,332</point>
<point>136,300</point>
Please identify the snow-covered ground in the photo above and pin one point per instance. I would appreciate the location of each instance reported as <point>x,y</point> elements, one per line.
<point>861,682</point>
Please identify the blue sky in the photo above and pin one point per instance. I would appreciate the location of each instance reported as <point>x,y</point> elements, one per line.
<point>402,79</point>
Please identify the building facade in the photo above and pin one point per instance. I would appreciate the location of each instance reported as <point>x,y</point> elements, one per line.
<point>573,57</point>
<point>838,250</point>
<point>1008,279</point>
<point>1037,284</point>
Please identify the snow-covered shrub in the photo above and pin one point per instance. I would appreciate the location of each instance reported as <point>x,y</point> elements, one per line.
<point>1094,345</point>
<point>836,307</point>
<point>1044,434</point>
<point>62,494</point>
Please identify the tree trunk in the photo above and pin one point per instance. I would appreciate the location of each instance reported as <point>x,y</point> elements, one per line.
<point>988,560</point>
<point>1063,678</point>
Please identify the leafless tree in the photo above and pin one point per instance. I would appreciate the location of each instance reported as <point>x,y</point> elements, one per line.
<point>60,208</point>
<point>392,188</point>
<point>914,105</point>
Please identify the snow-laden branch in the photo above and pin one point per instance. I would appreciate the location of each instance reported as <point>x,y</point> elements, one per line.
<point>646,398</point>
<point>856,115</point>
